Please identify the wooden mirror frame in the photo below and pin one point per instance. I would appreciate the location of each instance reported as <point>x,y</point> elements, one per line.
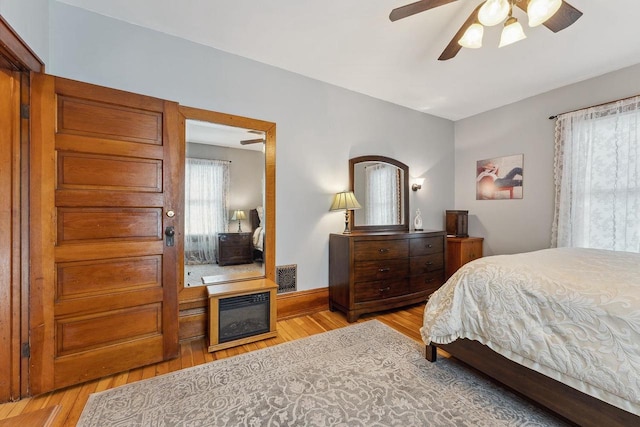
<point>192,297</point>
<point>405,195</point>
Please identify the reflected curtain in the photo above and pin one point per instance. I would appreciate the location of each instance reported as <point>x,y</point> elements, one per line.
<point>206,210</point>
<point>383,195</point>
<point>597,177</point>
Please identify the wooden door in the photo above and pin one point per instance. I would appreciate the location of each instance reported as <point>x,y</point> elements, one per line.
<point>104,177</point>
<point>9,234</point>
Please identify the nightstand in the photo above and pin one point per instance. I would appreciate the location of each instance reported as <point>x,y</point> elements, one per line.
<point>461,250</point>
<point>234,248</point>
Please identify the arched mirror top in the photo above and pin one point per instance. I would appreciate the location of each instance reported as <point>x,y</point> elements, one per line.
<point>381,186</point>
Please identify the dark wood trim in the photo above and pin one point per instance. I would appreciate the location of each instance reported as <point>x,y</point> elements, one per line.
<point>16,52</point>
<point>566,401</point>
<point>303,303</point>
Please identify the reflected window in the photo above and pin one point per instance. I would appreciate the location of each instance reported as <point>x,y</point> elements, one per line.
<point>383,194</point>
<point>206,208</point>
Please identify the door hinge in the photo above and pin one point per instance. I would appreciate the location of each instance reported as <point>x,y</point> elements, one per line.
<point>26,350</point>
<point>24,111</point>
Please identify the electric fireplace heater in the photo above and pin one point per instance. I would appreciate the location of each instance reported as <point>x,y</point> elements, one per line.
<point>243,316</point>
<point>240,313</point>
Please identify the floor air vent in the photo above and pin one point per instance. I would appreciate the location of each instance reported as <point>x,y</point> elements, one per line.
<point>286,278</point>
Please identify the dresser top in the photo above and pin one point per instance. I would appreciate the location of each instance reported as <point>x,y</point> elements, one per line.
<point>391,234</point>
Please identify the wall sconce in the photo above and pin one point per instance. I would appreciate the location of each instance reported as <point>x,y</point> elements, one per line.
<point>417,184</point>
<point>238,216</point>
<point>345,200</point>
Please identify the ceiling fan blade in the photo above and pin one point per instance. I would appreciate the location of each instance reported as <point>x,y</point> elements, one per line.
<point>251,141</point>
<point>453,47</point>
<point>417,7</point>
<point>564,17</point>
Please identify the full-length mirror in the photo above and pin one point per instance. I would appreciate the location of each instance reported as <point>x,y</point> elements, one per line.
<point>228,226</point>
<point>223,203</point>
<point>381,185</point>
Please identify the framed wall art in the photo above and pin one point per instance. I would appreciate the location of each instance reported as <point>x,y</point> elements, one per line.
<point>499,178</point>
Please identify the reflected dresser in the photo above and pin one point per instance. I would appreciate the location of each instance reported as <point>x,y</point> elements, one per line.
<point>371,272</point>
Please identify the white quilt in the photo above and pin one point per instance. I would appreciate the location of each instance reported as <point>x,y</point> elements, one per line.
<point>571,314</point>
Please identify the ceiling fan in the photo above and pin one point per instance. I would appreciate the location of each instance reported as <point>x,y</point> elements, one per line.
<point>563,16</point>
<point>254,141</point>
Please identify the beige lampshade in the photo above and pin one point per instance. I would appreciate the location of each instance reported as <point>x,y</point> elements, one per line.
<point>541,10</point>
<point>493,12</point>
<point>345,200</point>
<point>238,215</point>
<point>512,32</point>
<point>472,38</point>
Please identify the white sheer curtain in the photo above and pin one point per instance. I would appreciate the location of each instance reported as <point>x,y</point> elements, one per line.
<point>206,212</point>
<point>382,187</point>
<point>597,174</point>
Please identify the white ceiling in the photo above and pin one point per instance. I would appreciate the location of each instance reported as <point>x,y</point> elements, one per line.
<point>216,134</point>
<point>352,44</point>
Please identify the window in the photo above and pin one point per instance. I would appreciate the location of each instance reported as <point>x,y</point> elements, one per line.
<point>597,174</point>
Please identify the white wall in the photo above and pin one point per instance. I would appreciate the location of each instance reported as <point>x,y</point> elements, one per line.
<point>30,19</point>
<point>511,226</point>
<point>319,126</point>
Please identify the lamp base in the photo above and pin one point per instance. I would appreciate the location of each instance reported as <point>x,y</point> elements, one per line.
<point>239,229</point>
<point>347,230</point>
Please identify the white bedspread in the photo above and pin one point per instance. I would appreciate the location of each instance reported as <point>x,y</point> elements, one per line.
<point>571,314</point>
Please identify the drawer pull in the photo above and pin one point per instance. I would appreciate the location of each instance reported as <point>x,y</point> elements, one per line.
<point>429,246</point>
<point>383,250</point>
<point>429,280</point>
<point>388,288</point>
<point>384,270</point>
<point>428,263</point>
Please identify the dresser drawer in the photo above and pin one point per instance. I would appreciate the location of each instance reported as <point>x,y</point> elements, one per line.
<point>380,289</point>
<point>429,281</point>
<point>426,263</point>
<point>380,270</point>
<point>427,245</point>
<point>380,249</point>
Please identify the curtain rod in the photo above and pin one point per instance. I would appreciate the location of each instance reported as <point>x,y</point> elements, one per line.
<point>592,106</point>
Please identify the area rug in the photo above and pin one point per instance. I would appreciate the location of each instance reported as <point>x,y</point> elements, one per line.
<point>362,375</point>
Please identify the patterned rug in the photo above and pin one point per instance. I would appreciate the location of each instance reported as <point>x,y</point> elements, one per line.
<point>361,375</point>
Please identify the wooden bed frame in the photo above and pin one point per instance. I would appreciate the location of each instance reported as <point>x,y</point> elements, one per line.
<point>565,401</point>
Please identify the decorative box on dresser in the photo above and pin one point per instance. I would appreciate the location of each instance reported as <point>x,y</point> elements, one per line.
<point>371,272</point>
<point>234,248</point>
<point>461,250</point>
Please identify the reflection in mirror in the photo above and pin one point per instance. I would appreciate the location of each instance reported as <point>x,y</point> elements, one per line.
<point>224,200</point>
<point>380,184</point>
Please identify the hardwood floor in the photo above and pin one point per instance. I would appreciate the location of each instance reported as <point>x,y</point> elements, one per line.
<point>71,400</point>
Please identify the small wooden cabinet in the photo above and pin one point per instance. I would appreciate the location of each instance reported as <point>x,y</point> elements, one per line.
<point>379,271</point>
<point>461,250</point>
<point>234,248</point>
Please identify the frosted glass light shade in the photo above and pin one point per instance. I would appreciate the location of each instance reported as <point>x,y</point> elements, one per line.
<point>511,33</point>
<point>541,10</point>
<point>472,38</point>
<point>493,12</point>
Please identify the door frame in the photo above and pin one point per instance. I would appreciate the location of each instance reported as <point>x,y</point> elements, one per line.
<point>16,56</point>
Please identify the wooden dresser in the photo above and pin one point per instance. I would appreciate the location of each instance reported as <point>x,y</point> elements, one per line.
<point>461,250</point>
<point>234,248</point>
<point>379,271</point>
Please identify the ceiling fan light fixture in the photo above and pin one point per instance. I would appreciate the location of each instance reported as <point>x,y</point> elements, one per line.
<point>541,10</point>
<point>512,32</point>
<point>472,38</point>
<point>493,12</point>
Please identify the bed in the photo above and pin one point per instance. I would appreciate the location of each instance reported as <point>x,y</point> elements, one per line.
<point>561,326</point>
<point>256,218</point>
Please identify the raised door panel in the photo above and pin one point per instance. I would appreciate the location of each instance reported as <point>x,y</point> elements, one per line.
<point>106,176</point>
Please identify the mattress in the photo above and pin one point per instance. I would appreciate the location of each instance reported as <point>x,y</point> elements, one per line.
<point>569,313</point>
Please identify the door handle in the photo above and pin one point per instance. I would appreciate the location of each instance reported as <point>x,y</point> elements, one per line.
<point>169,232</point>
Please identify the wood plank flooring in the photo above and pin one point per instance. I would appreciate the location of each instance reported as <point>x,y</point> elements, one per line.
<point>71,400</point>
